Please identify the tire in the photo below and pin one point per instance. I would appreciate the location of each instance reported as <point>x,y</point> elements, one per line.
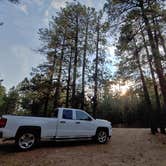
<point>102,136</point>
<point>26,140</point>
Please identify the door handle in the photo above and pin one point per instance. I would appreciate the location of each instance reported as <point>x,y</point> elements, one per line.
<point>62,121</point>
<point>77,122</point>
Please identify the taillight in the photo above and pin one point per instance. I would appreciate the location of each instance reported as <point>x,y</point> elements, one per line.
<point>3,122</point>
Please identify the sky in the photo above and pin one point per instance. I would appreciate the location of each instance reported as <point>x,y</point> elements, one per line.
<point>19,35</point>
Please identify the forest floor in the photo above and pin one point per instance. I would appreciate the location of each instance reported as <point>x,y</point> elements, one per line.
<point>128,147</point>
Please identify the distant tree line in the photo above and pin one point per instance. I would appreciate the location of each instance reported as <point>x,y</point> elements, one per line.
<point>9,102</point>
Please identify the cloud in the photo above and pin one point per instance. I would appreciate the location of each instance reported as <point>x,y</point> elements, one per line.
<point>57,4</point>
<point>99,4</point>
<point>22,59</point>
<point>25,55</point>
<point>46,13</point>
<point>89,3</point>
<point>38,2</point>
<point>53,6</point>
<point>23,8</point>
<point>47,17</point>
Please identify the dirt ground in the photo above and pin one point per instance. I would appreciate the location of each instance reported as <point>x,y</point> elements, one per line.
<point>128,147</point>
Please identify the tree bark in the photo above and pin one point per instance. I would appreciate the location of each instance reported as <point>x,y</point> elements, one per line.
<point>58,88</point>
<point>145,89</point>
<point>96,70</point>
<point>68,80</point>
<point>75,64</point>
<point>161,37</point>
<point>158,104</point>
<point>146,93</point>
<point>52,68</point>
<point>84,65</point>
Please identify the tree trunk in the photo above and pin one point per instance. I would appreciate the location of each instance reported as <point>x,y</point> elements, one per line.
<point>84,65</point>
<point>68,80</point>
<point>96,71</point>
<point>158,104</point>
<point>58,88</point>
<point>156,37</point>
<point>145,89</point>
<point>75,65</point>
<point>155,53</point>
<point>146,93</point>
<point>162,41</point>
<point>52,68</point>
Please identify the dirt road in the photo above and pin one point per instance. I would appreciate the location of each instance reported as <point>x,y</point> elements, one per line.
<point>128,147</point>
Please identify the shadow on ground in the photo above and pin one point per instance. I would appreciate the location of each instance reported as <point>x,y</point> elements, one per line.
<point>10,147</point>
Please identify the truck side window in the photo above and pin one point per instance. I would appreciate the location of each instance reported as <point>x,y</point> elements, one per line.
<point>82,116</point>
<point>67,114</point>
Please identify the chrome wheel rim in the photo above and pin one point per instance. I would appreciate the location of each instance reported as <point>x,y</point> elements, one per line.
<point>26,141</point>
<point>102,136</point>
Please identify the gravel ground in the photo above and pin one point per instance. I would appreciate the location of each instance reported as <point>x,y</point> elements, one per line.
<point>128,147</point>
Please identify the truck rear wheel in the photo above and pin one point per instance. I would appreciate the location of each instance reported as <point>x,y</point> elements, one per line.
<point>26,140</point>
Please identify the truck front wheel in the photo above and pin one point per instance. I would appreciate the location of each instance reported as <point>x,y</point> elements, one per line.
<point>101,136</point>
<point>26,140</point>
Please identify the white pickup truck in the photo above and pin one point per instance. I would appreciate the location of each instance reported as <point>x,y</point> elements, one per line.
<point>66,124</point>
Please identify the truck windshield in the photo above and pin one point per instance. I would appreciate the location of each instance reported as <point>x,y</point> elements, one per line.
<point>82,116</point>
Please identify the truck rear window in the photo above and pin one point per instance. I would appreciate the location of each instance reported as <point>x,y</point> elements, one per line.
<point>67,114</point>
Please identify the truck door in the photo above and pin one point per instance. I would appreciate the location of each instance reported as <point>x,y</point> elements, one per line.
<point>84,124</point>
<point>66,124</point>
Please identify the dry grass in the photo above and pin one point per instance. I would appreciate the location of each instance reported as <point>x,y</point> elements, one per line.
<point>128,147</point>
